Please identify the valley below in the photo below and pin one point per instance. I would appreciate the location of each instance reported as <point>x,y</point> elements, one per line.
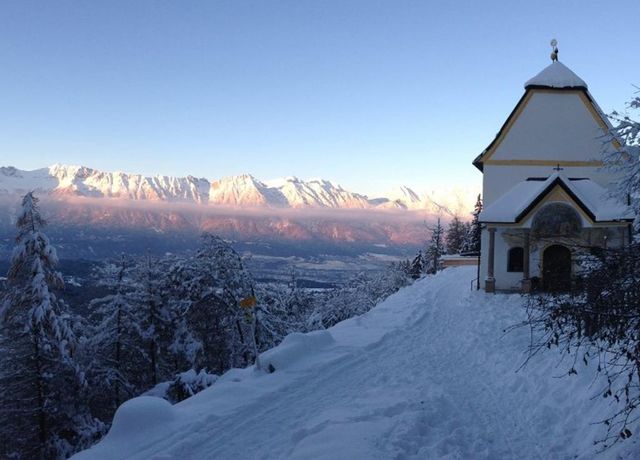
<point>314,230</point>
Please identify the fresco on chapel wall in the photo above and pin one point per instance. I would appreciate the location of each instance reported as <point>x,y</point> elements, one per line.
<point>556,219</point>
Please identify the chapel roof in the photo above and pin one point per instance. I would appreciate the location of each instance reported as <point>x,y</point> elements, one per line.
<point>556,75</point>
<point>593,199</point>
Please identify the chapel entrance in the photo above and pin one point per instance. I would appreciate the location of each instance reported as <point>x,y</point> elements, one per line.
<point>556,268</point>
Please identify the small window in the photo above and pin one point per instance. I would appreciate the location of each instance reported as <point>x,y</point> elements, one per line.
<point>515,262</point>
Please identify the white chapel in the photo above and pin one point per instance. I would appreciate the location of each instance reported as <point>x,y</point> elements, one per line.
<point>546,194</point>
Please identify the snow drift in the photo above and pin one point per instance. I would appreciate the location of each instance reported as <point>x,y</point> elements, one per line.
<point>429,373</point>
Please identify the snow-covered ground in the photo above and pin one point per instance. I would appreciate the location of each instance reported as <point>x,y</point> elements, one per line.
<point>428,374</point>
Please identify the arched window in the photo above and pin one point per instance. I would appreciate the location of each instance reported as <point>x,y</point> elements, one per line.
<point>515,260</point>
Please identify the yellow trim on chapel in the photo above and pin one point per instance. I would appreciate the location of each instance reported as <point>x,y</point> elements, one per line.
<point>590,107</point>
<point>508,126</point>
<point>593,163</point>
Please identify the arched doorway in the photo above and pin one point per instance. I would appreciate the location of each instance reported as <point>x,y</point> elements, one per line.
<point>556,268</point>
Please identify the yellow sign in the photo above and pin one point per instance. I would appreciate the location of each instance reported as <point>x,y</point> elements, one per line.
<point>248,302</point>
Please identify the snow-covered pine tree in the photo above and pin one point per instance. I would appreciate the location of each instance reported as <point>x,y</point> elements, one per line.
<point>455,236</point>
<point>474,231</point>
<point>281,310</point>
<point>299,304</point>
<point>205,293</point>
<point>39,378</point>
<point>210,326</point>
<point>150,299</point>
<point>435,247</point>
<point>230,283</point>
<point>183,291</point>
<point>116,349</point>
<point>275,319</point>
<point>417,267</point>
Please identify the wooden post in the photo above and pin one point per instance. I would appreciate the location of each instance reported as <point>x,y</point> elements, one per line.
<point>490,282</point>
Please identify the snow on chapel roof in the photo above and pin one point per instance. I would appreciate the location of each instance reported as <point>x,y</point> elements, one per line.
<point>595,200</point>
<point>556,75</point>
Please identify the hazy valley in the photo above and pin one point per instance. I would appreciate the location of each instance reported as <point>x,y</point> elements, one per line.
<point>315,228</point>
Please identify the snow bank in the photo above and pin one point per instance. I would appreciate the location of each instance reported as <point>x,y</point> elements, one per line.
<point>428,374</point>
<point>139,416</point>
<point>295,348</point>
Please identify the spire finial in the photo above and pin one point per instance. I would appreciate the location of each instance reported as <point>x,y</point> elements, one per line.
<point>554,52</point>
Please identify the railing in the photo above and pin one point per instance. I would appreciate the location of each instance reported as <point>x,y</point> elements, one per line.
<point>477,281</point>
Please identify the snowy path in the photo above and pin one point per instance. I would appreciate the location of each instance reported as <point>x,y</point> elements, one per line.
<point>427,374</point>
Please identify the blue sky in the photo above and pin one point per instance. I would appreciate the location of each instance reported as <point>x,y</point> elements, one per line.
<point>366,93</point>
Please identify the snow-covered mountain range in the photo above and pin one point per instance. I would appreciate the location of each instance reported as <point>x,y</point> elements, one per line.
<point>237,191</point>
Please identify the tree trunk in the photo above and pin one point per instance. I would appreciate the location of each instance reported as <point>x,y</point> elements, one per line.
<point>154,370</point>
<point>118,350</point>
<point>42,420</point>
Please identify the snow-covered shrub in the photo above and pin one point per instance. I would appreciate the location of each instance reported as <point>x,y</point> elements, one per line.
<point>188,383</point>
<point>625,162</point>
<point>281,310</point>
<point>359,295</point>
<point>599,322</point>
<point>297,347</point>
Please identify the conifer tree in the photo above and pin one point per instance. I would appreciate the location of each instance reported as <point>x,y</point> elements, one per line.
<point>435,247</point>
<point>280,311</point>
<point>213,331</point>
<point>455,236</point>
<point>417,267</point>
<point>474,233</point>
<point>39,378</point>
<point>154,316</point>
<point>230,283</point>
<point>116,349</point>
